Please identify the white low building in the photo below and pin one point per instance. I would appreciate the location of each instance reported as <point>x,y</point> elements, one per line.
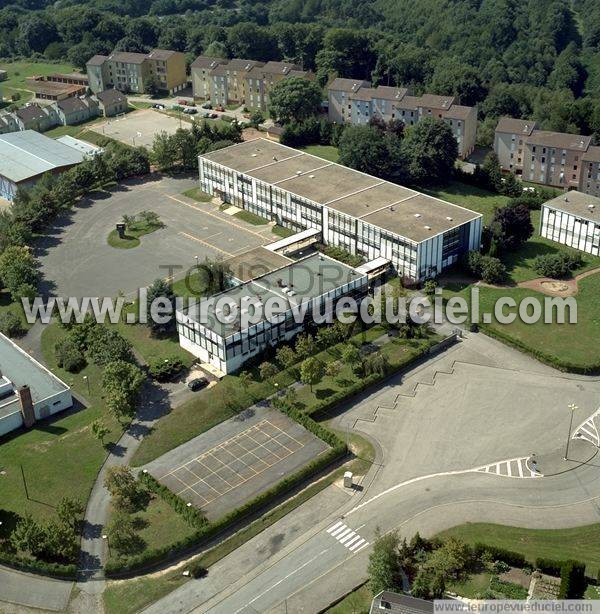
<point>315,281</point>
<point>28,391</point>
<point>419,234</point>
<point>573,219</point>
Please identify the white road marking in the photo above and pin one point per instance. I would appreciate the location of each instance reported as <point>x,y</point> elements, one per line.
<point>335,526</point>
<point>358,545</point>
<point>588,430</point>
<point>348,537</point>
<point>282,580</point>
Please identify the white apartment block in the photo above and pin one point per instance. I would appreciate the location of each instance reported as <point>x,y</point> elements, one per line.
<point>573,219</point>
<point>356,102</point>
<point>418,234</point>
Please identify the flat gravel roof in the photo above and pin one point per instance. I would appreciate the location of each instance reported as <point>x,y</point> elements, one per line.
<point>344,189</point>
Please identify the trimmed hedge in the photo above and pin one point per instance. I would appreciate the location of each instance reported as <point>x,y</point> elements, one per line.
<point>54,570</point>
<point>192,515</point>
<point>572,580</point>
<point>209,530</point>
<point>549,359</point>
<point>510,557</point>
<point>552,567</point>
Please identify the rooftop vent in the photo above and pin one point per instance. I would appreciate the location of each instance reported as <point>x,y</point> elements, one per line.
<point>275,158</point>
<point>298,172</point>
<point>254,155</point>
<point>448,218</point>
<point>248,66</point>
<point>392,209</point>
<point>417,215</point>
<point>312,176</point>
<point>427,227</point>
<point>591,207</point>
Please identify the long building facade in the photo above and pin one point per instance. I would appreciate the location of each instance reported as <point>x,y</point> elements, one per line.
<point>573,219</point>
<point>420,235</point>
<point>556,159</point>
<point>316,281</point>
<point>356,102</point>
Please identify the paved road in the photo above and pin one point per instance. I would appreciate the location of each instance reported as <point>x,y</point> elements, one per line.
<point>480,405</point>
<point>33,591</point>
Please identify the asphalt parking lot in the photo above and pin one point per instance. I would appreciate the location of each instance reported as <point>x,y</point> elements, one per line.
<point>139,127</point>
<point>237,460</point>
<point>77,260</point>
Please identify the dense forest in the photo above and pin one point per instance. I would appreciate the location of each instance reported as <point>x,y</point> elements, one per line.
<point>526,58</point>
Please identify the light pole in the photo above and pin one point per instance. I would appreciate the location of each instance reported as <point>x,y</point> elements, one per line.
<point>105,537</point>
<point>196,257</point>
<point>86,379</point>
<point>572,407</point>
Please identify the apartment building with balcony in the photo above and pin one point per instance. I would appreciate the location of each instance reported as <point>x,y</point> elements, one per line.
<point>356,102</point>
<point>129,72</point>
<point>556,159</point>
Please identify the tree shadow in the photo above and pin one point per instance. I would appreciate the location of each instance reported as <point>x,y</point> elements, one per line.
<point>324,393</point>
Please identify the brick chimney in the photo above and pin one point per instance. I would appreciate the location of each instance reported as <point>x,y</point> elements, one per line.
<point>26,402</point>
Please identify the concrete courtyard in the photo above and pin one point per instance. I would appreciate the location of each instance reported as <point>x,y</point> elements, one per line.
<point>77,260</point>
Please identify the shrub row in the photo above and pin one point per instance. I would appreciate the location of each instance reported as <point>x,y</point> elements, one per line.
<point>572,580</point>
<point>192,515</point>
<point>549,359</point>
<point>54,570</point>
<point>510,557</point>
<point>393,367</point>
<point>145,560</point>
<point>551,567</point>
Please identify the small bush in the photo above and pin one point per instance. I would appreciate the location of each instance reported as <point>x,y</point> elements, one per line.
<point>197,570</point>
<point>10,324</point>
<point>556,265</point>
<point>165,370</point>
<point>68,356</point>
<point>487,268</point>
<point>429,286</point>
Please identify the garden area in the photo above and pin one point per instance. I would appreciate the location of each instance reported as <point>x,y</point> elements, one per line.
<point>136,226</point>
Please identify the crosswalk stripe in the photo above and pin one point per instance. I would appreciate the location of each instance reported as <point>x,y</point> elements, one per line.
<point>363,546</point>
<point>520,466</point>
<point>335,526</point>
<point>345,539</point>
<point>338,537</point>
<point>508,463</point>
<point>338,531</point>
<point>357,545</point>
<point>352,541</point>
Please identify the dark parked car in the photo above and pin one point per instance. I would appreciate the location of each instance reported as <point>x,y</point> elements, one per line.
<point>190,111</point>
<point>207,105</point>
<point>197,384</point>
<point>158,106</point>
<point>213,116</point>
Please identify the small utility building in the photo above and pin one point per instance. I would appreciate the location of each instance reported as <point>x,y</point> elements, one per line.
<point>25,156</point>
<point>28,391</point>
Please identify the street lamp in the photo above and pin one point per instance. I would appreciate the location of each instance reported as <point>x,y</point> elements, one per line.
<point>86,379</point>
<point>572,407</point>
<point>105,537</point>
<point>196,257</point>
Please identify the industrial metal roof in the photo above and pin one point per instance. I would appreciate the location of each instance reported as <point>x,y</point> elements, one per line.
<point>27,154</point>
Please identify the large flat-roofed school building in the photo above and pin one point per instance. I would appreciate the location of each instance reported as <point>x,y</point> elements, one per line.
<point>420,235</point>
<point>315,281</point>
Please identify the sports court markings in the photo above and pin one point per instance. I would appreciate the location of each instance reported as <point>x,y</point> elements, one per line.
<point>233,462</point>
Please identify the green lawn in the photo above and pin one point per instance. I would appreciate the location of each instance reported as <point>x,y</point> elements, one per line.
<point>473,586</point>
<point>8,305</point>
<point>19,71</point>
<point>132,235</point>
<point>158,525</point>
<point>282,232</point>
<point>580,543</point>
<point>198,194</point>
<point>471,197</point>
<point>73,131</point>
<point>60,457</point>
<point>328,152</point>
<point>357,602</point>
<point>568,342</point>
<point>251,218</point>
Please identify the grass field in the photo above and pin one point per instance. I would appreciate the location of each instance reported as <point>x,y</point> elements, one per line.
<point>197,194</point>
<point>74,131</point>
<point>328,152</point>
<point>357,602</point>
<point>8,305</point>
<point>19,71</point>
<point>580,543</point>
<point>60,457</point>
<point>251,218</point>
<point>132,235</point>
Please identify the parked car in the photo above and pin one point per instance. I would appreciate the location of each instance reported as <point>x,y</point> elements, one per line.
<point>207,105</point>
<point>190,111</point>
<point>206,114</point>
<point>158,106</point>
<point>197,384</point>
<point>182,102</point>
<point>213,116</point>
<point>220,108</point>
